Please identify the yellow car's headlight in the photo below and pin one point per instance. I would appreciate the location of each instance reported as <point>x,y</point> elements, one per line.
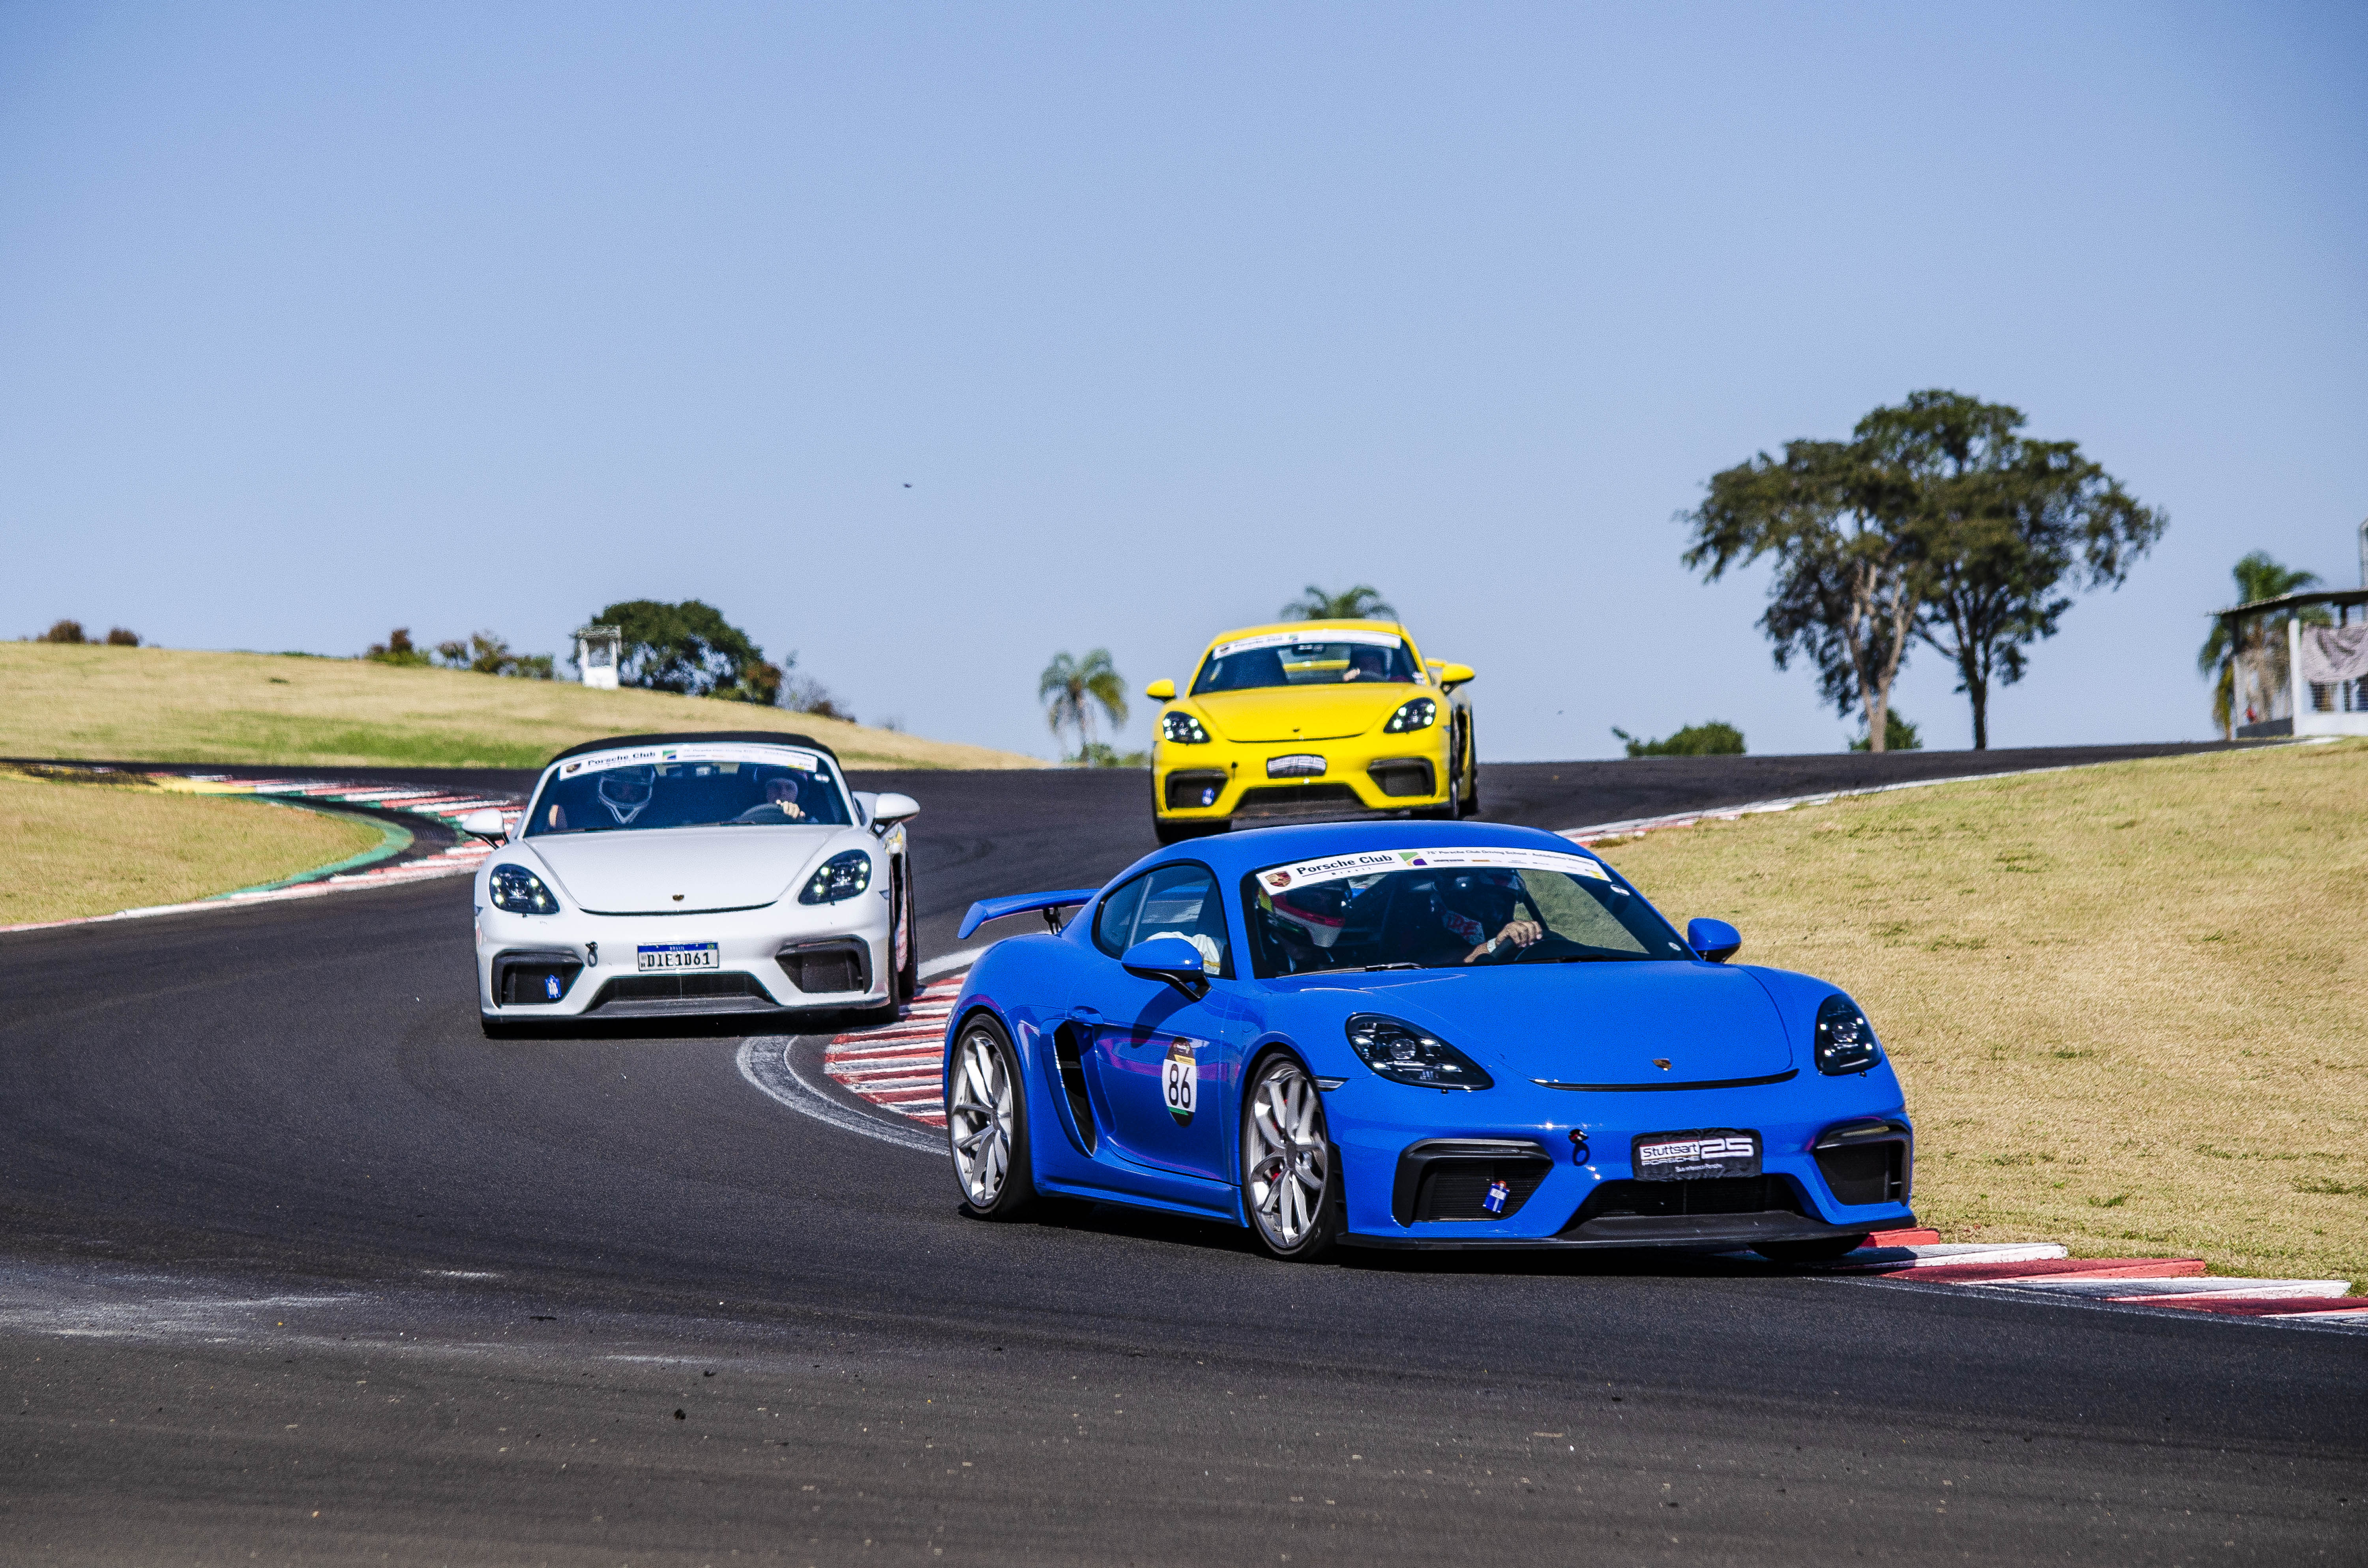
<point>1419,714</point>
<point>1184,730</point>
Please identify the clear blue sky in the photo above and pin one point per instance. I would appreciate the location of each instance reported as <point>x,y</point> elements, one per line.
<point>317,319</point>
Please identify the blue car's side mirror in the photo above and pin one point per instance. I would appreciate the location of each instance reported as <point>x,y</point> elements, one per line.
<point>1714,939</point>
<point>1171,958</point>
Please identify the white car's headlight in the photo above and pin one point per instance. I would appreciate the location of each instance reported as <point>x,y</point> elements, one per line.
<point>841,877</point>
<point>521,891</point>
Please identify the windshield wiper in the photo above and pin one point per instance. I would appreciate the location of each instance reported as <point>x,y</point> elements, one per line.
<point>1369,967</point>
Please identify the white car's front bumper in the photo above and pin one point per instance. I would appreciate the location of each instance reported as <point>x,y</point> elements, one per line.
<point>840,951</point>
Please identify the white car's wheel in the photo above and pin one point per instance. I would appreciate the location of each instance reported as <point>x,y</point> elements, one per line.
<point>986,1123</point>
<point>1287,1166</point>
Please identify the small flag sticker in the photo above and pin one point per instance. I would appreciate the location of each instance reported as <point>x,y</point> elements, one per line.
<point>1499,1193</point>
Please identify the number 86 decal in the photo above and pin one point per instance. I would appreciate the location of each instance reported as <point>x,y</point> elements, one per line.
<point>1179,1078</point>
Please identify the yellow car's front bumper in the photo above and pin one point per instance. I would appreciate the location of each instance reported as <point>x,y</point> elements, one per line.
<point>1378,772</point>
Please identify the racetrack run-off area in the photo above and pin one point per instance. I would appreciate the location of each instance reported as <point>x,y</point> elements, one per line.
<point>300,1266</point>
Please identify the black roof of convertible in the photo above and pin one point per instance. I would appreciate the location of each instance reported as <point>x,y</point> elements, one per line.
<point>745,737</point>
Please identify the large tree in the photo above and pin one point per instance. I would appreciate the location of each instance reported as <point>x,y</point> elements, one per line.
<point>690,648</point>
<point>2001,525</point>
<point>1936,520</point>
<point>1844,595</point>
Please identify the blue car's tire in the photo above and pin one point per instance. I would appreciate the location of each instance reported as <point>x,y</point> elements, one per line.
<point>1291,1176</point>
<point>986,1123</point>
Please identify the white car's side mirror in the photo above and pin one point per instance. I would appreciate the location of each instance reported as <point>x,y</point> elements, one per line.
<point>485,824</point>
<point>890,808</point>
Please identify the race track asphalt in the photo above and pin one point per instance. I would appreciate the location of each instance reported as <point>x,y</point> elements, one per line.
<point>299,1268</point>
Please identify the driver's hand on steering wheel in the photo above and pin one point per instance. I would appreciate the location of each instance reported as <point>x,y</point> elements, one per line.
<point>1517,934</point>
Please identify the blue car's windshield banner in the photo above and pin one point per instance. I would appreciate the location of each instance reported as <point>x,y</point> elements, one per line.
<point>1375,862</point>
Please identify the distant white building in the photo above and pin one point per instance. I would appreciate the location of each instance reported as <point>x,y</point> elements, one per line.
<point>597,648</point>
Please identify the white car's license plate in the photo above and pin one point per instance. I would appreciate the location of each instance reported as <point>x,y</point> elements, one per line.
<point>1690,1157</point>
<point>677,955</point>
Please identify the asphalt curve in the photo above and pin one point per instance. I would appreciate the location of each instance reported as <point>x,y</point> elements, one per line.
<point>300,1268</point>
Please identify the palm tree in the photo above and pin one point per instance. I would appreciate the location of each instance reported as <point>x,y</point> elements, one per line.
<point>2258,577</point>
<point>1072,688</point>
<point>1363,602</point>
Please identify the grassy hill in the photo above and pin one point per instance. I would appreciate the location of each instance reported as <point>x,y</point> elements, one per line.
<point>168,705</point>
<point>77,849</point>
<point>2126,1001</point>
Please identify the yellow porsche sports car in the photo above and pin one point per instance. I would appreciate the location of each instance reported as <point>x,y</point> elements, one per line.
<point>1332,718</point>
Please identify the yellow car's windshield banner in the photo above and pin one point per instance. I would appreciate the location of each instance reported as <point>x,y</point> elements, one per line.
<point>1311,637</point>
<point>1378,862</point>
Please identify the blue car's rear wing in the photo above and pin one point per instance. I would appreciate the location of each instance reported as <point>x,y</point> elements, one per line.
<point>988,909</point>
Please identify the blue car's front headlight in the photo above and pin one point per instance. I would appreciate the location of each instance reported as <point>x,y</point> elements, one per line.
<point>1846,1042</point>
<point>520,891</point>
<point>1405,1054</point>
<point>841,877</point>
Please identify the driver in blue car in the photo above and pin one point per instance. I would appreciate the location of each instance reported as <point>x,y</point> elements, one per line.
<point>1479,900</point>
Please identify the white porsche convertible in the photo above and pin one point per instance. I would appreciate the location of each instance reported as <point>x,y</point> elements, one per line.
<point>726,873</point>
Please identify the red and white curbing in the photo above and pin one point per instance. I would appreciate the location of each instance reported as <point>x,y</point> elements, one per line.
<point>897,1067</point>
<point>459,859</point>
<point>900,1066</point>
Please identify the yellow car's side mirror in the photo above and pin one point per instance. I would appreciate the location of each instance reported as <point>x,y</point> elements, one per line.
<point>1452,675</point>
<point>1161,692</point>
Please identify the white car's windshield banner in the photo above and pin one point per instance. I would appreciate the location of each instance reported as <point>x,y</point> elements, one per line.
<point>1294,639</point>
<point>592,762</point>
<point>1376,862</point>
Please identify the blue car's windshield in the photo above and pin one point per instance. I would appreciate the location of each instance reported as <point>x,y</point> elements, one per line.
<point>1446,908</point>
<point>1334,657</point>
<point>689,786</point>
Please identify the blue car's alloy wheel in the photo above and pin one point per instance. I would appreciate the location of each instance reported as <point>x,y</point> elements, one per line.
<point>1287,1162</point>
<point>986,1123</point>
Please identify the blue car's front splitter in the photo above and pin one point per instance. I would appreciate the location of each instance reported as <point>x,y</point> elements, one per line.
<point>1570,1182</point>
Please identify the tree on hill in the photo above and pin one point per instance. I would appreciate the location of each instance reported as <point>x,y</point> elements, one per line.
<point>2003,521</point>
<point>1934,521</point>
<point>803,694</point>
<point>2258,577</point>
<point>62,632</point>
<point>1072,688</point>
<point>1363,602</point>
<point>397,650</point>
<point>689,648</point>
<point>1844,595</point>
<point>1712,739</point>
<point>488,654</point>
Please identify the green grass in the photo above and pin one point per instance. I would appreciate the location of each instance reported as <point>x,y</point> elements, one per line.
<point>167,705</point>
<point>2126,1002</point>
<point>77,848</point>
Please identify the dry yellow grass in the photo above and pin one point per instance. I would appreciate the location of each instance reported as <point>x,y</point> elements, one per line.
<point>74,850</point>
<point>168,705</point>
<point>2129,1003</point>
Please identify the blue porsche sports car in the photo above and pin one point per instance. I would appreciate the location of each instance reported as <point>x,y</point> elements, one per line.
<point>1417,1034</point>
